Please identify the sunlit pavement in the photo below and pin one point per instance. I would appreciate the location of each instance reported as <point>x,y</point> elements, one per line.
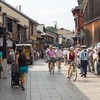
<point>41,85</point>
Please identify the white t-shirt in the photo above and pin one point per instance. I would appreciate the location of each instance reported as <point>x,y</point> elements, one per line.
<point>58,53</point>
<point>65,52</point>
<point>38,54</point>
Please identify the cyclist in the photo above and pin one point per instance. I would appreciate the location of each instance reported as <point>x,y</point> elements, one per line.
<point>51,53</point>
<point>59,55</point>
<point>71,57</point>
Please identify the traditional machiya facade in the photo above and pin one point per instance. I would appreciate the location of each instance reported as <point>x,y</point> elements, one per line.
<point>78,18</point>
<point>51,38</point>
<point>91,11</point>
<point>47,37</point>
<point>66,35</point>
<point>20,25</point>
<point>64,31</point>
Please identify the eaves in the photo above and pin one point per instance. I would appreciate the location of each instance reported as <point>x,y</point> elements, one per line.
<point>19,12</point>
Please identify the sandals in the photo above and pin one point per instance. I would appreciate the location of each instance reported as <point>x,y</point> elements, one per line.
<point>23,88</point>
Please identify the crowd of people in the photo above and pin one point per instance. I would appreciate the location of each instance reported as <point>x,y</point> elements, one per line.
<point>87,59</point>
<point>38,54</point>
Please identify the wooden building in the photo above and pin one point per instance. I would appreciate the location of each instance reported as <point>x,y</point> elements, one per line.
<point>78,18</point>
<point>91,11</point>
<point>49,37</point>
<point>22,27</point>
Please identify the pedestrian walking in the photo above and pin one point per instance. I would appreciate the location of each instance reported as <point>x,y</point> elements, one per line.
<point>98,64</point>
<point>95,61</point>
<point>42,53</point>
<point>90,62</point>
<point>84,57</point>
<point>1,65</point>
<point>65,56</point>
<point>23,68</point>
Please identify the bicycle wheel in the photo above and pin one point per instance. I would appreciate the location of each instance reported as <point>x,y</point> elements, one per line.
<point>58,64</point>
<point>73,74</point>
<point>53,68</point>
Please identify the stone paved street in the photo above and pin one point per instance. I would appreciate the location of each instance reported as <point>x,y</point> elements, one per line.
<point>41,85</point>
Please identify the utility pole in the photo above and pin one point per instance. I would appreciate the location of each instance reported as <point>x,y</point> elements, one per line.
<point>5,44</point>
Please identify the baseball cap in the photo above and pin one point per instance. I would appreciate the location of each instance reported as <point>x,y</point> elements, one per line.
<point>57,47</point>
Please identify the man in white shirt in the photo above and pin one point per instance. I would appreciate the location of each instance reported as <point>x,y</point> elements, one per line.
<point>59,55</point>
<point>65,55</point>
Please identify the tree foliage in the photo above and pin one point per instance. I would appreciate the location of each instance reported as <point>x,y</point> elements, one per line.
<point>51,28</point>
<point>63,41</point>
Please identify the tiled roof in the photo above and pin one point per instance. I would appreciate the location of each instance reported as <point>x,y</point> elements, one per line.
<point>10,6</point>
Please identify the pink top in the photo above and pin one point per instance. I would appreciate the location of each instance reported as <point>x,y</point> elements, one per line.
<point>51,53</point>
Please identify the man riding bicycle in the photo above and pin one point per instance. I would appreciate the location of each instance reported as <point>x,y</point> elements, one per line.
<point>59,55</point>
<point>51,53</point>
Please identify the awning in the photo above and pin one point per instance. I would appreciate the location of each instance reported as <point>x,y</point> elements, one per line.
<point>32,41</point>
<point>13,18</point>
<point>13,39</point>
<point>23,26</point>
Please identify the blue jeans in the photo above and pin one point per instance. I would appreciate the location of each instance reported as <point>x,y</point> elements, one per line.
<point>98,68</point>
<point>81,69</point>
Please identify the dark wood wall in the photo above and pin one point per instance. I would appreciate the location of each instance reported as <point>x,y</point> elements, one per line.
<point>92,22</point>
<point>92,10</point>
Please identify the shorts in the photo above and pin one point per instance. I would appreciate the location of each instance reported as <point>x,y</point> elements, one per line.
<point>0,71</point>
<point>69,62</point>
<point>23,70</point>
<point>59,59</point>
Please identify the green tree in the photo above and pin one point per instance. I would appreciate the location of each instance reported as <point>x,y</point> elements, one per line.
<point>63,41</point>
<point>51,28</point>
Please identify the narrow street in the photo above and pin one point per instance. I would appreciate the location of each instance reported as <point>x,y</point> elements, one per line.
<point>41,85</point>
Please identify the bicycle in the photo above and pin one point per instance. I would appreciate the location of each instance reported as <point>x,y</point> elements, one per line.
<point>73,72</point>
<point>52,66</point>
<point>58,63</point>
